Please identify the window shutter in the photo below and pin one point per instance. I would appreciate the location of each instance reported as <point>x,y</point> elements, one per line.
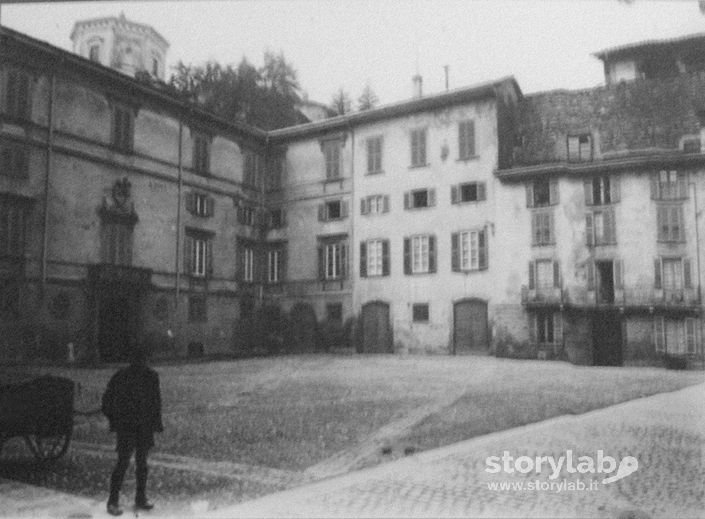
<point>470,138</point>
<point>687,277</point>
<point>551,229</point>
<point>321,212</point>
<point>558,328</point>
<point>282,218</point>
<point>659,342</point>
<point>662,223</point>
<point>363,259</point>
<point>344,209</point>
<point>343,259</point>
<point>407,200</point>
<point>690,335</point>
<point>556,274</point>
<point>615,191</point>
<point>241,215</point>
<point>654,186</point>
<point>455,252</point>
<point>553,192</point>
<point>363,206</point>
<point>454,194</point>
<point>618,272</point>
<point>532,328</point>
<point>589,231</point>
<point>432,253</point>
<point>657,273</point>
<point>482,256</point>
<point>188,248</point>
<point>481,191</point>
<point>209,257</point>
<point>407,256</point>
<point>588,192</point>
<point>385,258</point>
<point>530,195</point>
<point>590,266</point>
<point>385,204</point>
<point>610,227</point>
<point>190,202</point>
<point>681,224</point>
<point>321,262</point>
<point>682,185</point>
<point>431,195</point>
<point>532,276</point>
<point>210,206</point>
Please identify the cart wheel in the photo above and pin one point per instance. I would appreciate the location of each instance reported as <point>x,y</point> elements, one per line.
<point>48,448</point>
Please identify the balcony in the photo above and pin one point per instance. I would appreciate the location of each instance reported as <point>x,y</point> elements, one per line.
<point>301,288</point>
<point>107,274</point>
<point>542,297</point>
<point>636,300</point>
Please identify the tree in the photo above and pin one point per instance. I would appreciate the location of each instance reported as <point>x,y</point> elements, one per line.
<point>367,100</point>
<point>341,103</point>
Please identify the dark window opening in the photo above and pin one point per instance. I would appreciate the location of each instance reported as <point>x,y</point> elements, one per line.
<point>542,193</point>
<point>420,198</point>
<point>333,209</point>
<point>605,283</point>
<point>544,327</point>
<point>420,312</point>
<point>197,309</point>
<point>334,312</point>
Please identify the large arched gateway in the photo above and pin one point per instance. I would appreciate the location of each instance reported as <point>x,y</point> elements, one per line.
<point>470,329</point>
<point>376,331</point>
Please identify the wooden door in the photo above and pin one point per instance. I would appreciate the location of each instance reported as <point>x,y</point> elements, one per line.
<point>376,331</point>
<point>470,329</point>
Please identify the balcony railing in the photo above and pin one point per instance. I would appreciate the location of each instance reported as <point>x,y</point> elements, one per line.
<point>539,296</point>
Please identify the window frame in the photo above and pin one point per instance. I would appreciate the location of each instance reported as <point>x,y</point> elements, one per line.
<point>198,308</point>
<point>668,230</point>
<point>477,248</point>
<point>17,94</point>
<point>333,158</point>
<point>419,147</point>
<point>543,233</point>
<point>333,258</point>
<point>123,127</point>
<point>580,154</point>
<point>374,146</point>
<point>198,249</point>
<point>466,140</point>
<point>201,154</point>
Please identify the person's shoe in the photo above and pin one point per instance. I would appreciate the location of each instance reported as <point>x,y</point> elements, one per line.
<point>143,505</point>
<point>114,509</point>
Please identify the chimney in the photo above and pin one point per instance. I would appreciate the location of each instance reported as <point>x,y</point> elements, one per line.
<point>417,82</point>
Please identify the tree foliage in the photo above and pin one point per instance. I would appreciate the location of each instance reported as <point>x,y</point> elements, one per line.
<point>368,99</point>
<point>264,97</point>
<point>341,103</point>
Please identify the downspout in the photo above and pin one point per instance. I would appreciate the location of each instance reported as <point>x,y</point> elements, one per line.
<point>49,160</point>
<point>351,255</point>
<point>262,213</point>
<point>180,185</point>
<point>697,252</point>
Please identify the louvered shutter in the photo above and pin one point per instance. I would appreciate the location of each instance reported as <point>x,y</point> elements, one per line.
<point>344,209</point>
<point>657,273</point>
<point>321,262</point>
<point>589,230</point>
<point>654,186</point>
<point>558,328</point>
<point>321,212</point>
<point>282,218</point>
<point>615,191</point>
<point>587,185</point>
<point>188,254</point>
<point>454,194</point>
<point>385,204</point>
<point>407,255</point>
<point>532,328</point>
<point>431,195</point>
<point>687,277</point>
<point>210,206</point>
<point>530,194</point>
<point>209,257</point>
<point>610,227</point>
<point>363,206</point>
<point>590,266</point>
<point>532,275</point>
<point>682,185</point>
<point>363,259</point>
<point>432,253</point>
<point>681,224</point>
<point>482,255</point>
<point>481,191</point>
<point>385,258</point>
<point>535,239</point>
<point>455,252</point>
<point>618,272</point>
<point>191,202</point>
<point>343,259</point>
<point>407,200</point>
<point>662,223</point>
<point>470,138</point>
<point>553,192</point>
<point>556,274</point>
<point>659,343</point>
<point>551,228</point>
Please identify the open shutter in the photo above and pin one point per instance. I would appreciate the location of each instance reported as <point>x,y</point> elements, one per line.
<point>321,262</point>
<point>470,138</point>
<point>556,274</point>
<point>687,277</point>
<point>407,200</point>
<point>431,195</point>
<point>532,275</point>
<point>385,258</point>
<point>191,202</point>
<point>587,185</point>
<point>343,259</point>
<point>454,194</point>
<point>210,206</point>
<point>407,255</point>
<point>654,186</point>
<point>662,223</point>
<point>553,192</point>
<point>385,204</point>
<point>558,328</point>
<point>321,212</point>
<point>455,252</point>
<point>532,328</point>
<point>364,208</point>
<point>681,224</point>
<point>610,227</point>
<point>618,273</point>
<point>659,342</point>
<point>363,259</point>
<point>344,209</point>
<point>551,228</point>
<point>589,231</point>
<point>615,191</point>
<point>657,273</point>
<point>690,335</point>
<point>530,194</point>
<point>682,184</point>
<point>282,218</point>
<point>188,254</point>
<point>535,229</point>
<point>481,191</point>
<point>482,257</point>
<point>590,267</point>
<point>432,253</point>
<point>209,257</point>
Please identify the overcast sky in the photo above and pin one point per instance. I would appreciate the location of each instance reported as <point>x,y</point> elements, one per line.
<point>545,44</point>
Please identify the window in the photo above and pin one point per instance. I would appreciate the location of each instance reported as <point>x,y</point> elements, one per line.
<point>116,243</point>
<point>374,155</point>
<point>690,335</point>
<point>542,193</point>
<point>334,312</point>
<point>669,185</point>
<point>418,147</point>
<point>468,192</point>
<point>670,223</point>
<point>466,139</point>
<point>602,190</point>
<point>419,312</point>
<point>544,275</point>
<point>276,263</point>
<point>198,256</point>
<point>200,204</point>
<point>419,198</point>
<point>123,127</point>
<point>94,53</point>
<point>17,94</point>
<point>197,309</point>
<point>332,258</point>
<point>374,204</point>
<point>579,147</point>
<point>332,155</point>
<point>248,264</point>
<point>277,218</point>
<point>333,210</point>
<point>275,172</point>
<point>374,258</point>
<point>542,232</point>
<point>10,301</point>
<point>420,254</point>
<point>13,218</point>
<point>201,154</point>
<point>547,328</point>
<point>469,250</point>
<point>14,161</point>
<point>247,215</point>
<point>672,273</point>
<point>155,67</point>
<point>675,336</point>
<point>600,228</point>
<point>253,169</point>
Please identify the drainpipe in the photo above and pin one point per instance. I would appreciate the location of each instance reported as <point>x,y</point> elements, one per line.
<point>697,252</point>
<point>260,196</point>
<point>351,255</point>
<point>49,160</point>
<point>177,288</point>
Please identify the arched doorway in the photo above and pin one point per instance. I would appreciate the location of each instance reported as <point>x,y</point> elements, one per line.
<point>470,328</point>
<point>303,327</point>
<point>376,331</point>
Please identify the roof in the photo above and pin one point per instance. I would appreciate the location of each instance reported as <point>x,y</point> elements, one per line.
<point>121,20</point>
<point>430,102</point>
<point>647,44</point>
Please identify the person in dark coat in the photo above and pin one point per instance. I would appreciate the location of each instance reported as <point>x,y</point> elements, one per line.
<point>132,404</point>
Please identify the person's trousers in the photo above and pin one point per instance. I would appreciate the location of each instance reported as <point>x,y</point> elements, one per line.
<point>118,475</point>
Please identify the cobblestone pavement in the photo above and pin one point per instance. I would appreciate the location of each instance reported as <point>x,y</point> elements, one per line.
<point>666,434</point>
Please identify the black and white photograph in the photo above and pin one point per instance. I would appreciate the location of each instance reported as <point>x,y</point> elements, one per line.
<point>352,259</point>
